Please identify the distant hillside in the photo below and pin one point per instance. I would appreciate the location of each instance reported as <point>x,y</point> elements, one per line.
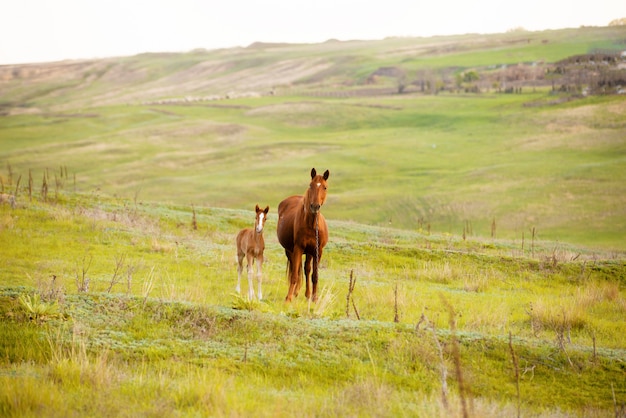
<point>419,64</point>
<point>493,135</point>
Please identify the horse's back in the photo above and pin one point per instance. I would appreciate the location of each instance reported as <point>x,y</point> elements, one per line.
<point>287,210</point>
<point>289,205</point>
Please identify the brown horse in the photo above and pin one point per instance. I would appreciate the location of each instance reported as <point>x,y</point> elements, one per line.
<point>250,244</point>
<point>302,230</point>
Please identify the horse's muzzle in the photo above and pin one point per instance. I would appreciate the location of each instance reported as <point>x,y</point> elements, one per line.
<point>315,208</point>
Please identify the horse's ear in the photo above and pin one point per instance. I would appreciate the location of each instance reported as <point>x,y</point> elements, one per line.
<point>257,209</point>
<point>326,174</point>
<point>267,209</point>
<point>313,172</point>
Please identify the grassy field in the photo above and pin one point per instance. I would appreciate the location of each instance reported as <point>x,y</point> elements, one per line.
<point>406,160</point>
<point>483,235</point>
<point>126,309</point>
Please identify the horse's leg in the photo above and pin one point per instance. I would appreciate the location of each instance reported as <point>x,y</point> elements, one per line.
<point>250,274</point>
<point>288,273</point>
<point>307,274</point>
<point>298,272</point>
<point>295,261</point>
<point>299,277</point>
<point>260,273</point>
<point>316,261</point>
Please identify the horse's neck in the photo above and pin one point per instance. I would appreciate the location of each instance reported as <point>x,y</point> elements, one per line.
<point>308,218</point>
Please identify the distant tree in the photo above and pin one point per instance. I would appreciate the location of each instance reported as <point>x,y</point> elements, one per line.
<point>430,81</point>
<point>470,76</point>
<point>466,80</point>
<point>425,78</point>
<point>554,75</point>
<point>402,81</point>
<point>517,29</point>
<point>618,22</point>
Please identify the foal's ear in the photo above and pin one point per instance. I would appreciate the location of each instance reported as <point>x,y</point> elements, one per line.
<point>267,209</point>
<point>313,173</point>
<point>257,209</point>
<point>326,174</point>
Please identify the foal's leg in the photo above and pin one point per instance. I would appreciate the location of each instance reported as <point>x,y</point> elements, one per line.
<point>250,274</point>
<point>259,275</point>
<point>239,270</point>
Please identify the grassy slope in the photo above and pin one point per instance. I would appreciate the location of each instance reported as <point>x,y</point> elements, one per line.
<point>166,340</point>
<point>443,160</point>
<point>411,159</point>
<point>69,85</point>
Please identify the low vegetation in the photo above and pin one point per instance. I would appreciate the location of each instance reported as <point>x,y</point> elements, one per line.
<point>115,308</point>
<point>476,262</point>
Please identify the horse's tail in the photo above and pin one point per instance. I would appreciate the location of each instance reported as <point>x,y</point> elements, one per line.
<point>290,267</point>
<point>288,270</point>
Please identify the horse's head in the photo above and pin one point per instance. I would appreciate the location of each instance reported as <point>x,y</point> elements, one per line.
<point>261,217</point>
<point>316,194</point>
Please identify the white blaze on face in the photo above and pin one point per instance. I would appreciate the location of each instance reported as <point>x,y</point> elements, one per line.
<point>319,184</point>
<point>259,225</point>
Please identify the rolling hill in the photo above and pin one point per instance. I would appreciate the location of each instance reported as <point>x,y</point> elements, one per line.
<point>476,208</point>
<point>453,151</point>
<point>282,68</point>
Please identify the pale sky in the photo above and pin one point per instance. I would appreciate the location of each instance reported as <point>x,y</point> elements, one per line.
<point>53,30</point>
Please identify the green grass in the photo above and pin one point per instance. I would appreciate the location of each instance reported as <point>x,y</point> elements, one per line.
<point>444,159</point>
<point>166,339</point>
<point>485,224</point>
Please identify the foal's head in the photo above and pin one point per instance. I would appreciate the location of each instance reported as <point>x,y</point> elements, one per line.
<point>316,194</point>
<point>261,217</point>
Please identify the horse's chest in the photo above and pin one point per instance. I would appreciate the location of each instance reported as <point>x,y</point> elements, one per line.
<point>309,240</point>
<point>256,251</point>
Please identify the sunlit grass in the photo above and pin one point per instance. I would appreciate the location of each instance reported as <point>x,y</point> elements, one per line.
<point>468,221</point>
